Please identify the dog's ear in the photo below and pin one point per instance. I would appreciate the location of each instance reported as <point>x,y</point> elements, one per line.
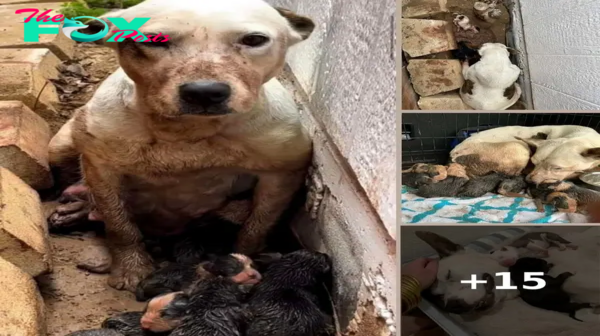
<point>592,153</point>
<point>301,25</point>
<point>443,246</point>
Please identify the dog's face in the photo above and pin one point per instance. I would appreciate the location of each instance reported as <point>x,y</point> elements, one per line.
<point>218,55</point>
<point>457,264</point>
<point>494,50</point>
<point>560,159</point>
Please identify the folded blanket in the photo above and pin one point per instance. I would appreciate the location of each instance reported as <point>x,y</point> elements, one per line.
<point>490,208</point>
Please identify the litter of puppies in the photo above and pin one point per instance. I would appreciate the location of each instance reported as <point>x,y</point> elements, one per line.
<point>285,300</point>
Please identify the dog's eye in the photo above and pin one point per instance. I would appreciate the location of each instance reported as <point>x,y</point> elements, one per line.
<point>254,40</point>
<point>160,42</point>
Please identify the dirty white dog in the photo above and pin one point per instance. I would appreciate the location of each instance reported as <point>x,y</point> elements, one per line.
<point>489,311</point>
<point>490,84</point>
<point>560,152</point>
<point>186,126</point>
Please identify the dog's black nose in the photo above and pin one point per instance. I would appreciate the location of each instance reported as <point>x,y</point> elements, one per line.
<point>205,93</point>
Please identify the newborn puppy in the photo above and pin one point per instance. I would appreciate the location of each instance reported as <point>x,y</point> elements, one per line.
<point>285,302</point>
<point>422,174</point>
<point>128,324</point>
<point>564,196</point>
<point>96,332</point>
<point>214,309</point>
<point>163,313</point>
<point>449,187</point>
<point>490,84</point>
<point>175,277</point>
<point>549,297</point>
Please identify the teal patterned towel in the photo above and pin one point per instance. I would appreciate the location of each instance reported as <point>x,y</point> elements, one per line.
<point>490,208</point>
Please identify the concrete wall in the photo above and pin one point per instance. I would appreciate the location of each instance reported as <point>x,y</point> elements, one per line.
<point>344,80</point>
<point>563,47</point>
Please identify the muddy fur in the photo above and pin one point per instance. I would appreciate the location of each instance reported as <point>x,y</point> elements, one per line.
<point>549,297</point>
<point>564,196</point>
<point>286,302</point>
<point>214,309</point>
<point>155,160</point>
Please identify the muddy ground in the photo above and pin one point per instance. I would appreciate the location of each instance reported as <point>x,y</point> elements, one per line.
<point>76,299</point>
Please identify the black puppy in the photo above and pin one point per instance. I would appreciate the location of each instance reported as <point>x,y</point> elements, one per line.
<point>286,301</point>
<point>96,332</point>
<point>214,308</point>
<point>176,277</point>
<point>549,297</point>
<point>128,324</point>
<point>465,53</point>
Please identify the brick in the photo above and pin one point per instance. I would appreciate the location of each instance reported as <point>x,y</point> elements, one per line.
<point>424,37</point>
<point>433,76</point>
<point>24,138</point>
<point>21,305</point>
<point>25,76</point>
<point>12,30</point>
<point>449,101</point>
<point>24,239</point>
<point>424,8</point>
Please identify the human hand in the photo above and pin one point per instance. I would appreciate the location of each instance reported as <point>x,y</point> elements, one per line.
<point>422,269</point>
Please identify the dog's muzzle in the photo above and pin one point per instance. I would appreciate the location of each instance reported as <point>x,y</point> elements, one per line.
<point>205,97</point>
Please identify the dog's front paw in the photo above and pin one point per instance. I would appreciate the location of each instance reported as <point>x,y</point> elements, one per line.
<point>129,269</point>
<point>250,245</point>
<point>316,192</point>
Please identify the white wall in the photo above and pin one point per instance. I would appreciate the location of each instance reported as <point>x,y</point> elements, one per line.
<point>563,45</point>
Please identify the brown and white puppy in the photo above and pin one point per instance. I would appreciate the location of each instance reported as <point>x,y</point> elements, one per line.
<point>164,313</point>
<point>186,124</point>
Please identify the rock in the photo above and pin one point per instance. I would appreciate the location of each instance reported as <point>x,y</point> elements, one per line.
<point>449,101</point>
<point>24,239</point>
<point>26,75</point>
<point>21,305</point>
<point>424,37</point>
<point>13,30</point>
<point>95,259</point>
<point>433,76</point>
<point>24,138</point>
<point>423,8</point>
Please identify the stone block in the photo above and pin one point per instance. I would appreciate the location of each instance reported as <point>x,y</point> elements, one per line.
<point>25,76</point>
<point>21,305</point>
<point>424,37</point>
<point>12,30</point>
<point>449,101</point>
<point>24,239</point>
<point>423,8</point>
<point>433,76</point>
<point>24,138</point>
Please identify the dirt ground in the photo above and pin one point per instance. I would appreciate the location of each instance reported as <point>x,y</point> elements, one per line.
<point>76,299</point>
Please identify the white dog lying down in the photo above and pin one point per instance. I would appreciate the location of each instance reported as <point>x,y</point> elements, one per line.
<point>490,84</point>
<point>506,314</point>
<point>561,152</point>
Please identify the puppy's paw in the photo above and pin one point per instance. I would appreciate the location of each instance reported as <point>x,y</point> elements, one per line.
<point>316,192</point>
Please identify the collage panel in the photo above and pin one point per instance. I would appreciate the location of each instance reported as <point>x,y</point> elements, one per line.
<point>500,280</point>
<point>500,55</point>
<point>513,168</point>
